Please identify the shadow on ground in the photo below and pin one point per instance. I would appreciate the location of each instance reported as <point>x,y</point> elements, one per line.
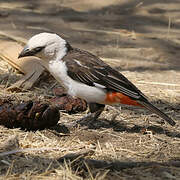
<point>123,126</point>
<point>149,18</point>
<point>83,166</point>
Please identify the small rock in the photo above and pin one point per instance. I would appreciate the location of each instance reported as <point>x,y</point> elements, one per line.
<point>167,175</point>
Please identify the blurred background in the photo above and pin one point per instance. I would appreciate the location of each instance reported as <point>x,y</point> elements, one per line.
<point>141,38</point>
<point>112,29</point>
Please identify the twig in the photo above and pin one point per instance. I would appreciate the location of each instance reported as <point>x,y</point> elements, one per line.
<point>169,27</point>
<point>30,149</point>
<point>14,38</point>
<point>159,83</point>
<point>122,32</point>
<point>117,165</point>
<point>73,156</point>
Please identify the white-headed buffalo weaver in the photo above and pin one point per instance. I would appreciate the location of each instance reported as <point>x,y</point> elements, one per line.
<point>86,76</point>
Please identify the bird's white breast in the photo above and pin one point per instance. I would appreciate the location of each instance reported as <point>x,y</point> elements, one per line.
<point>58,69</point>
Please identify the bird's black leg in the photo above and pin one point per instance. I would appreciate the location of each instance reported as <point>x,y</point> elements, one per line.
<point>94,112</point>
<point>96,109</point>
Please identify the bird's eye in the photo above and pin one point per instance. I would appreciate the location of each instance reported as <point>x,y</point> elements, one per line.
<point>38,49</point>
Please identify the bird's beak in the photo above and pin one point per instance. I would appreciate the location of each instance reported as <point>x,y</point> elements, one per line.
<point>26,52</point>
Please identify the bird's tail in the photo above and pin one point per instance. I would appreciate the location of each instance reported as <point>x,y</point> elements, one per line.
<point>155,110</point>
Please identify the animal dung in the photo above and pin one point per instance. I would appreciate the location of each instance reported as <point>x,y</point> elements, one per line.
<point>69,104</point>
<point>28,115</point>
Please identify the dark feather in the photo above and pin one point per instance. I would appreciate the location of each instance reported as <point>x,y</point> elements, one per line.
<point>154,109</point>
<point>89,69</point>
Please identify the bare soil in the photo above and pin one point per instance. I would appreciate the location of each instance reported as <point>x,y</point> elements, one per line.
<point>139,38</point>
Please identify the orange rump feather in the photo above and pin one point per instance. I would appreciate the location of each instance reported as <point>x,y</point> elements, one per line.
<point>119,98</point>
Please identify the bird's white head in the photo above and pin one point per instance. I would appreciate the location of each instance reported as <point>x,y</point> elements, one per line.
<point>47,46</point>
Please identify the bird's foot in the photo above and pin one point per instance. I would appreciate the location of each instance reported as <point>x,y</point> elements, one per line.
<point>89,119</point>
<point>86,121</point>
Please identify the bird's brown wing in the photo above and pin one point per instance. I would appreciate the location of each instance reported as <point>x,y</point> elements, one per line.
<point>89,69</point>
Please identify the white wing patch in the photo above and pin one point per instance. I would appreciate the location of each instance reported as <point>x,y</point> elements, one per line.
<point>80,63</point>
<point>58,69</point>
<point>99,85</point>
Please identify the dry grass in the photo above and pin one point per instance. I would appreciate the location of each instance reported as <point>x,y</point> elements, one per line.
<point>117,137</point>
<point>122,134</point>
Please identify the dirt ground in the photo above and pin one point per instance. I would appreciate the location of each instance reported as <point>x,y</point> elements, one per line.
<point>139,38</point>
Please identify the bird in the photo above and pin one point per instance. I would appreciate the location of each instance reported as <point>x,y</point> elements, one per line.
<point>86,76</point>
